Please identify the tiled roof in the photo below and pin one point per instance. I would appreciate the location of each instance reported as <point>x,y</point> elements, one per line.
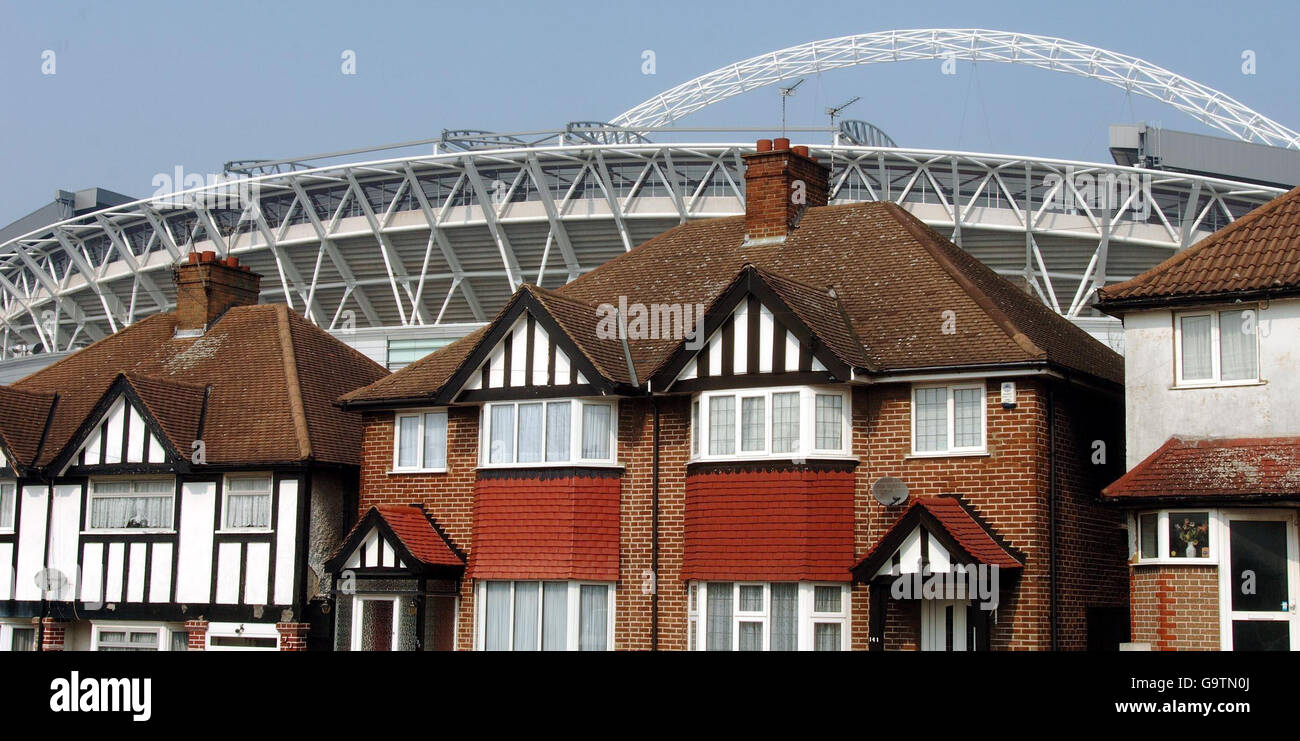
<point>950,517</point>
<point>552,526</point>
<point>793,524</point>
<point>273,378</point>
<point>176,406</point>
<point>893,277</point>
<point>1226,468</point>
<point>414,531</point>
<point>1257,254</point>
<point>22,418</point>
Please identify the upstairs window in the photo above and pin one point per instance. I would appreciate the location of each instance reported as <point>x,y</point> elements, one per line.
<point>548,432</point>
<point>132,504</point>
<point>757,423</point>
<point>1217,347</point>
<point>8,501</point>
<point>948,419</point>
<point>420,441</point>
<point>247,504</point>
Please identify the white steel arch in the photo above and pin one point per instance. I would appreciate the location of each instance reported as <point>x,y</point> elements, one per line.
<point>1126,72</point>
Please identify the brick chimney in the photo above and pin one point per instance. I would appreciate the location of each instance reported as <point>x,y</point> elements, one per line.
<point>206,287</point>
<point>781,182</point>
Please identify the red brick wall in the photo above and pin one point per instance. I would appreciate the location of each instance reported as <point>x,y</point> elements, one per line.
<point>1175,608</point>
<point>53,633</point>
<point>770,210</point>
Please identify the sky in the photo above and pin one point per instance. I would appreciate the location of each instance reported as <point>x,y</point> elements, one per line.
<point>141,88</point>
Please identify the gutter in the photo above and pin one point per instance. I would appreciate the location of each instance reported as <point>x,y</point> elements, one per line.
<point>654,532</point>
<point>1051,518</point>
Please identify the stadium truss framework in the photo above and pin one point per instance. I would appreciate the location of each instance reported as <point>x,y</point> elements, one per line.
<point>443,239</point>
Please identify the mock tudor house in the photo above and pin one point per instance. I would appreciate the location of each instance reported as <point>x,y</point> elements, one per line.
<point>180,483</point>
<point>1212,344</point>
<point>746,434</point>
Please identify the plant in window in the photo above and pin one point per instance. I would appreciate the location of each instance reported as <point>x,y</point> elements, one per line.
<point>1194,535</point>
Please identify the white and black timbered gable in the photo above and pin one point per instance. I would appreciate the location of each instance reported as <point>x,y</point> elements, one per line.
<point>397,541</point>
<point>750,332</point>
<point>121,433</point>
<point>525,354</point>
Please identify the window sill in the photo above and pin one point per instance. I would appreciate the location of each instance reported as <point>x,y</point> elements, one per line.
<point>549,464</point>
<point>1216,385</point>
<point>821,455</point>
<point>949,454</point>
<point>402,471</point>
<point>130,531</point>
<point>1209,561</point>
<point>245,531</point>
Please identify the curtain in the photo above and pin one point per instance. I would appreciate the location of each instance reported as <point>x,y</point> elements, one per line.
<point>558,437</point>
<point>593,617</point>
<point>7,496</point>
<point>497,629</point>
<point>751,636</point>
<point>826,637</point>
<point>408,442</point>
<point>785,422</point>
<point>530,433</point>
<point>722,425</point>
<point>932,419</point>
<point>826,599</point>
<point>526,615</point>
<point>718,627</point>
<point>967,413</point>
<point>595,431</point>
<point>248,510</point>
<point>1196,348</point>
<point>435,440</point>
<point>23,639</point>
<point>695,428</point>
<point>830,421</point>
<point>752,423</point>
<point>785,614</point>
<point>555,616</point>
<point>1237,354</point>
<point>502,448</point>
<point>131,511</point>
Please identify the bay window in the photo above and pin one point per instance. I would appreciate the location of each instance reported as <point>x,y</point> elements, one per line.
<point>1216,347</point>
<point>420,441</point>
<point>776,616</point>
<point>8,503</point>
<point>948,419</point>
<point>548,432</point>
<point>17,636</point>
<point>247,503</point>
<point>131,504</point>
<point>544,616</point>
<point>757,423</point>
<point>139,637</point>
<point>1174,536</point>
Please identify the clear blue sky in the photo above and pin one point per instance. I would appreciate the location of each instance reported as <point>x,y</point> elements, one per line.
<point>141,88</point>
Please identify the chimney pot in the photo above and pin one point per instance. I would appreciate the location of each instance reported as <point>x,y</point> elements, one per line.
<point>802,151</point>
<point>232,262</point>
<point>764,145</point>
<point>194,258</point>
<point>772,177</point>
<point>780,143</point>
<point>208,256</point>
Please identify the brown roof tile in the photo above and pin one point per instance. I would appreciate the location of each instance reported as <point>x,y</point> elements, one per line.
<point>22,420</point>
<point>1218,468</point>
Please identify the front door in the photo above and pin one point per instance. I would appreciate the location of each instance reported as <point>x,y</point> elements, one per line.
<point>944,626</point>
<point>1260,579</point>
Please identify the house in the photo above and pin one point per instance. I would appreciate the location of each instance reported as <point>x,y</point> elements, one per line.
<point>181,482</point>
<point>748,433</point>
<point>1212,343</point>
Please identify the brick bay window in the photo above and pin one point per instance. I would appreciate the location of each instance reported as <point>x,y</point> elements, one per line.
<point>420,441</point>
<point>131,504</point>
<point>542,433</point>
<point>799,422</point>
<point>776,616</point>
<point>948,420</point>
<point>544,616</point>
<point>1175,536</point>
<point>1214,348</point>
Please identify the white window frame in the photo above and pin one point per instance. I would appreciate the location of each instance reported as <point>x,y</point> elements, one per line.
<point>575,434</point>
<point>162,630</point>
<point>358,613</point>
<point>952,450</point>
<point>1216,358</point>
<point>1214,530</point>
<point>572,604</point>
<point>241,630</point>
<point>91,495</point>
<point>807,445</point>
<point>806,619</point>
<point>7,633</point>
<point>13,506</point>
<point>225,498</point>
<point>419,447</point>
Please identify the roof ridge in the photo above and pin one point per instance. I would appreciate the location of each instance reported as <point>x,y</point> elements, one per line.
<point>1208,241</point>
<point>926,238</point>
<point>296,407</point>
<point>297,319</point>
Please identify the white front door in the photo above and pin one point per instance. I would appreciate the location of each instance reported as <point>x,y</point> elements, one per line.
<point>944,626</point>
<point>1259,582</point>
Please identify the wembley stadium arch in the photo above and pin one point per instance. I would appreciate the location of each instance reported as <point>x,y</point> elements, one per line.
<point>383,246</point>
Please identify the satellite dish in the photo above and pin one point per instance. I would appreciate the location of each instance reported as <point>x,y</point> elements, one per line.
<point>889,491</point>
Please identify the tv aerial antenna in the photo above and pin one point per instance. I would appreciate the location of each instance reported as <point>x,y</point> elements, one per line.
<point>786,92</point>
<point>835,135</point>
